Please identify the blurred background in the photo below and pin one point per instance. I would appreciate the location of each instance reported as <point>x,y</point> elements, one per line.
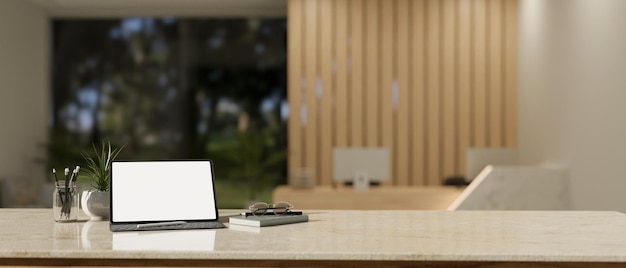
<point>170,88</point>
<point>202,79</point>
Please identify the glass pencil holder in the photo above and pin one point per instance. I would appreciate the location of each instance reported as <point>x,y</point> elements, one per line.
<point>65,203</point>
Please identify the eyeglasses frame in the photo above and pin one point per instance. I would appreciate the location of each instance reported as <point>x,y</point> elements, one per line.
<point>254,210</point>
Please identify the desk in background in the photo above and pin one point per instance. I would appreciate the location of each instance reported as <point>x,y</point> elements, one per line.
<point>382,197</point>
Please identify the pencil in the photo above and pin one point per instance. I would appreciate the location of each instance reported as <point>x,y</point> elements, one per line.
<point>56,179</point>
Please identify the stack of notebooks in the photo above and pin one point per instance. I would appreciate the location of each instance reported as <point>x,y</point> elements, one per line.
<point>268,219</point>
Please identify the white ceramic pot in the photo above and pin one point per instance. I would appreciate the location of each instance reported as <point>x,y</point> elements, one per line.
<point>96,204</point>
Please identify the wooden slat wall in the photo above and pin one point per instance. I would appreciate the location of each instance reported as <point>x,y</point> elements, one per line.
<point>311,72</point>
<point>417,68</point>
<point>425,78</point>
<point>326,68</point>
<point>372,36</point>
<point>401,102</point>
<point>433,91</point>
<point>387,80</point>
<point>356,73</point>
<point>510,79</point>
<point>479,74</point>
<point>448,100</point>
<point>463,82</point>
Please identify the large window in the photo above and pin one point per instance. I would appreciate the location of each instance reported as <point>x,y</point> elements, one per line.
<point>173,88</point>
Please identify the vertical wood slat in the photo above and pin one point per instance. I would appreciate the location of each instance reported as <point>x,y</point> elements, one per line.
<point>356,75</point>
<point>433,163</point>
<point>450,62</point>
<point>387,83</point>
<point>510,80</point>
<point>294,97</point>
<point>417,98</point>
<point>326,98</point>
<point>464,80</point>
<point>448,87</point>
<point>311,134</point>
<point>479,73</point>
<point>495,76</point>
<point>341,75</point>
<point>402,96</point>
<point>372,34</point>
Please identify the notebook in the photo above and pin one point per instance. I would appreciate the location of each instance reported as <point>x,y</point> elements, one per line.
<point>267,220</point>
<point>163,195</point>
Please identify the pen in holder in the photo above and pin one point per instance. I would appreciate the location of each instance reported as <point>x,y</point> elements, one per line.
<point>65,197</point>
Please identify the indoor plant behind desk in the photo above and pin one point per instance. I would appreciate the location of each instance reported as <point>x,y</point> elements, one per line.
<point>97,201</point>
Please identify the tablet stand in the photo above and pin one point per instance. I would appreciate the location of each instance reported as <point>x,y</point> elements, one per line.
<point>361,181</point>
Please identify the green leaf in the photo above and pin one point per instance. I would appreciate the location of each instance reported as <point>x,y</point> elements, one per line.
<point>98,166</point>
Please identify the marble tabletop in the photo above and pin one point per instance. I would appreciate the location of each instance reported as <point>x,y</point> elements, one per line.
<point>341,235</point>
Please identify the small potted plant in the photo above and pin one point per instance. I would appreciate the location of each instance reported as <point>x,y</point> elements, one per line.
<point>97,201</point>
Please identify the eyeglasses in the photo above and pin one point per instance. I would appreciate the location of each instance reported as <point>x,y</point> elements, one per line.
<point>279,208</point>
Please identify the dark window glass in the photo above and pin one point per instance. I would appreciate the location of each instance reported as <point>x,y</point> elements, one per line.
<point>172,88</point>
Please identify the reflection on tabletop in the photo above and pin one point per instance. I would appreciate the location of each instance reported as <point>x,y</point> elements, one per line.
<point>189,240</point>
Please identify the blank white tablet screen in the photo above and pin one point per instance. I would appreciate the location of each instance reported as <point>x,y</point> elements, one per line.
<point>162,191</point>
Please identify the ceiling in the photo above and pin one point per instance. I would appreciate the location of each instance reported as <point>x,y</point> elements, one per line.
<point>157,8</point>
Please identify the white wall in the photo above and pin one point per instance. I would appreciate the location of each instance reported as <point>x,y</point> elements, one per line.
<point>572,95</point>
<point>23,90</point>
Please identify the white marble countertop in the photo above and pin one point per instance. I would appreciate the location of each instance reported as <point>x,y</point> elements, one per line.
<point>478,236</point>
